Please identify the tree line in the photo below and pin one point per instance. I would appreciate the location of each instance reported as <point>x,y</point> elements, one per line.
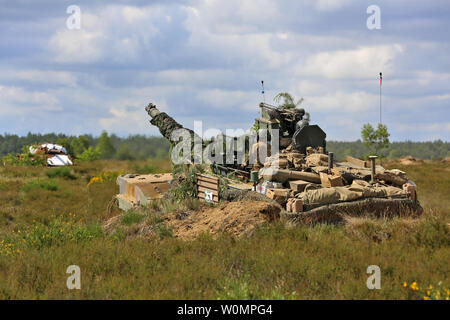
<point>432,150</point>
<point>88,147</point>
<point>141,147</point>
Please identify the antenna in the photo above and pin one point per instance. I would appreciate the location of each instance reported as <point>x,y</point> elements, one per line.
<point>381,83</point>
<point>262,91</point>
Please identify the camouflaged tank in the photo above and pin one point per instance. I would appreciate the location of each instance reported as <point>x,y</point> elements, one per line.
<point>306,180</point>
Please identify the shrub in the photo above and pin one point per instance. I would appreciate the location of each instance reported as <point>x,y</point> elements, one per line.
<point>63,172</point>
<point>146,169</point>
<point>50,185</point>
<point>164,231</point>
<point>59,230</point>
<point>25,159</point>
<point>131,217</point>
<point>433,233</point>
<point>185,185</point>
<point>240,289</point>
<point>125,153</point>
<point>104,176</point>
<point>89,154</point>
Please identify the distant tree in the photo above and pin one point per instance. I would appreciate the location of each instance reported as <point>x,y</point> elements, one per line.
<point>90,154</point>
<point>375,140</point>
<point>161,154</point>
<point>105,147</point>
<point>395,153</point>
<point>124,152</point>
<point>79,145</point>
<point>65,142</point>
<point>287,100</point>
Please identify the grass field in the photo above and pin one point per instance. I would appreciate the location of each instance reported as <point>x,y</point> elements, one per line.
<point>50,219</point>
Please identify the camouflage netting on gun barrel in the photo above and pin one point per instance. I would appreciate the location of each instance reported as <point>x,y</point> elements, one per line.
<point>167,125</point>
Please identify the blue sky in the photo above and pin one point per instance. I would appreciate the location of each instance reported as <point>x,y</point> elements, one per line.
<point>204,60</point>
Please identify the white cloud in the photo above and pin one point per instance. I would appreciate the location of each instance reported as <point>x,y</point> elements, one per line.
<point>330,5</point>
<point>217,98</point>
<point>127,115</point>
<point>77,46</point>
<point>18,101</point>
<point>342,102</point>
<point>43,77</point>
<point>443,127</point>
<point>360,63</point>
<point>122,119</point>
<point>27,76</point>
<point>118,33</point>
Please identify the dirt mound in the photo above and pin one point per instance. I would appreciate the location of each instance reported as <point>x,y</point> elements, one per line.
<point>237,218</point>
<point>409,160</point>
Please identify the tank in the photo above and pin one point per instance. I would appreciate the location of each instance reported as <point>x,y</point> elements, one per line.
<point>305,179</point>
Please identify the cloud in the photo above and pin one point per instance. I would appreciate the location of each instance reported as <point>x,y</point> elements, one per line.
<point>15,94</point>
<point>204,60</point>
<point>228,99</point>
<point>429,127</point>
<point>329,5</point>
<point>118,33</point>
<point>31,102</point>
<point>342,102</point>
<point>80,46</point>
<point>360,63</point>
<point>63,78</point>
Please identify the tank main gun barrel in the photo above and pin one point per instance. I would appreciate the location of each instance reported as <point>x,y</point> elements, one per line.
<point>166,124</point>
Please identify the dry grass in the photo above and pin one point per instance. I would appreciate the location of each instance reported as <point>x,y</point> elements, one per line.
<point>278,262</point>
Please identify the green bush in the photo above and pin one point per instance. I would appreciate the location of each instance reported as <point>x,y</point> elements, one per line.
<point>50,185</point>
<point>164,231</point>
<point>185,185</point>
<point>90,154</point>
<point>124,152</point>
<point>433,233</point>
<point>131,217</point>
<point>146,169</point>
<point>62,172</point>
<point>25,159</point>
<point>105,147</point>
<point>240,289</point>
<point>60,230</point>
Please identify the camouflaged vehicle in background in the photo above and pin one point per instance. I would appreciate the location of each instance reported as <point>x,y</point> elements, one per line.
<point>304,178</point>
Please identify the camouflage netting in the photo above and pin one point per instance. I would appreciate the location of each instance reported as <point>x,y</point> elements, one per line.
<point>357,190</point>
<point>335,213</point>
<point>167,125</point>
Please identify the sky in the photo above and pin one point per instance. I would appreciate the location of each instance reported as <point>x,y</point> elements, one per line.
<point>203,60</point>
